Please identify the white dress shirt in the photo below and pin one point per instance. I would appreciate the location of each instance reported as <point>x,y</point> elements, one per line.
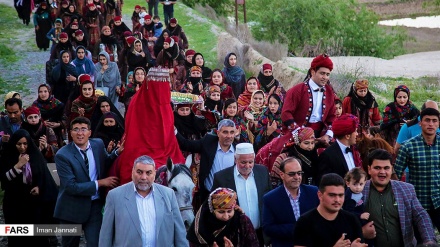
<point>248,196</point>
<point>348,156</point>
<point>147,217</point>
<point>316,115</point>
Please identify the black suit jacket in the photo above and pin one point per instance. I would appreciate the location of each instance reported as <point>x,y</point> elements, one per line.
<point>207,147</point>
<point>225,179</point>
<point>331,161</point>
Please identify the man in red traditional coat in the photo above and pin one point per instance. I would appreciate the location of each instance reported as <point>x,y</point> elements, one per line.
<point>311,103</point>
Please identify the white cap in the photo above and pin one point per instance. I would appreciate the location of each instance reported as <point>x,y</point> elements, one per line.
<point>244,148</point>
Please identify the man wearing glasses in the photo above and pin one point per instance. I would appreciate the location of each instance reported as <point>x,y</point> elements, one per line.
<point>283,206</point>
<point>81,166</point>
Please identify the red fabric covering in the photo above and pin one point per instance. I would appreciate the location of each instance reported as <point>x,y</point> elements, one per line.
<point>268,153</point>
<point>149,129</point>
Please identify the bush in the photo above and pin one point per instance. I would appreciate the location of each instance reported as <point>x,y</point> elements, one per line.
<point>338,27</point>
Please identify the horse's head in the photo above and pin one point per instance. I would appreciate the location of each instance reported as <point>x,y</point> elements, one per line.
<point>178,177</point>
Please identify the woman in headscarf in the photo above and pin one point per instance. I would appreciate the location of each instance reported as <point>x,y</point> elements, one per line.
<point>83,64</point>
<point>245,98</point>
<point>361,103</point>
<point>254,111</point>
<point>270,123</point>
<point>137,57</point>
<point>199,60</point>
<point>218,79</point>
<point>301,146</point>
<point>397,113</point>
<point>62,45</point>
<point>93,24</point>
<point>107,75</point>
<point>235,76</point>
<point>193,84</point>
<point>230,111</point>
<point>139,79</point>
<point>43,24</point>
<point>220,221</point>
<point>158,46</point>
<point>171,58</point>
<point>52,111</point>
<point>85,104</point>
<point>29,189</point>
<point>107,43</point>
<point>64,77</point>
<point>67,15</point>
<point>103,106</point>
<point>266,79</point>
<point>44,137</point>
<point>110,129</point>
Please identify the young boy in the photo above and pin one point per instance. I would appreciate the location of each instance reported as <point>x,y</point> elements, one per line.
<point>142,14</point>
<point>338,107</point>
<point>157,26</point>
<point>354,199</point>
<point>213,102</point>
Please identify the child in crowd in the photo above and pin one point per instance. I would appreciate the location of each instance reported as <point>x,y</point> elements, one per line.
<point>136,16</point>
<point>142,14</point>
<point>157,26</point>
<point>354,199</point>
<point>213,102</point>
<point>338,108</point>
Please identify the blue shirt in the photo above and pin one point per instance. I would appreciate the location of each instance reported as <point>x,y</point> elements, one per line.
<point>248,196</point>
<point>407,133</point>
<point>222,160</point>
<point>147,217</point>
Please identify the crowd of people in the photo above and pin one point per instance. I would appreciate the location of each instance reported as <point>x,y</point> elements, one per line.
<point>270,167</point>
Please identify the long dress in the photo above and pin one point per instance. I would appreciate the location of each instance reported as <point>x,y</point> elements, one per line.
<point>19,205</point>
<point>43,22</point>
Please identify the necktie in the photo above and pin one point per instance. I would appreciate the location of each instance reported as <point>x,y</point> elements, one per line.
<point>86,160</point>
<point>347,150</point>
<point>319,89</point>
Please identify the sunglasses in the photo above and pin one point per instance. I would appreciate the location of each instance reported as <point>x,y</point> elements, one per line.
<point>292,174</point>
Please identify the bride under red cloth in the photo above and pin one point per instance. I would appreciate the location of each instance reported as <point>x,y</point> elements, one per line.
<point>149,129</point>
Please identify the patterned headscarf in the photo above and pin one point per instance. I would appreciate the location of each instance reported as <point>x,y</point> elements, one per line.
<point>302,134</point>
<point>222,198</point>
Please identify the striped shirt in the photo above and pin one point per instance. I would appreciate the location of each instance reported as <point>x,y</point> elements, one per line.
<point>423,161</point>
<point>295,203</point>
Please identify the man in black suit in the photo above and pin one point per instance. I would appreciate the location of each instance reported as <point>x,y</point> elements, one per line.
<point>250,181</point>
<point>216,151</point>
<point>342,155</point>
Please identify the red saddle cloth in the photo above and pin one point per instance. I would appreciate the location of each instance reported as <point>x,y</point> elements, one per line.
<point>149,129</point>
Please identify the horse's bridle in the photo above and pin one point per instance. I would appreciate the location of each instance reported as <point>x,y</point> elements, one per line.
<point>177,170</point>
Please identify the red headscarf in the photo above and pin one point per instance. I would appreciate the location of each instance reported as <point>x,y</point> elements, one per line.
<point>345,125</point>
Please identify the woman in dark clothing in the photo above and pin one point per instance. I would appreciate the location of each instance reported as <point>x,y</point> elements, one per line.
<point>221,221</point>
<point>62,45</point>
<point>171,58</point>
<point>235,76</point>
<point>64,77</point>
<point>52,111</point>
<point>30,191</point>
<point>24,10</point>
<point>269,125</point>
<point>110,129</point>
<point>103,105</point>
<point>137,57</point>
<point>159,42</point>
<point>43,24</point>
<point>397,113</point>
<point>301,146</point>
<point>199,60</point>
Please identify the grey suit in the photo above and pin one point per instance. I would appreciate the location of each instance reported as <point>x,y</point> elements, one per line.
<point>121,225</point>
<point>74,204</point>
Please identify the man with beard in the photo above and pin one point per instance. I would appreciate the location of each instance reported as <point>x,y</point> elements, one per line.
<point>283,206</point>
<point>11,122</point>
<point>152,209</point>
<point>250,181</point>
<point>328,225</point>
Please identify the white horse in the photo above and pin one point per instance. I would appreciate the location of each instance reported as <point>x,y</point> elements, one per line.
<point>178,177</point>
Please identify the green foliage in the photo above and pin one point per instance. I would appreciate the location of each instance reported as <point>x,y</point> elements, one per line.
<point>220,6</point>
<point>344,27</point>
